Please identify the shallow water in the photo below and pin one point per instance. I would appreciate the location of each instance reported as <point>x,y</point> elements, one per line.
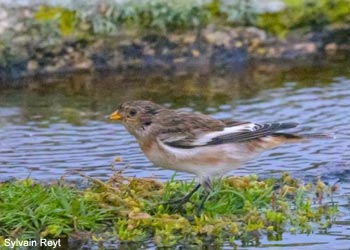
<point>56,126</point>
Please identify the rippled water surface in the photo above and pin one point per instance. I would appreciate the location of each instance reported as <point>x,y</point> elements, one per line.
<point>56,126</point>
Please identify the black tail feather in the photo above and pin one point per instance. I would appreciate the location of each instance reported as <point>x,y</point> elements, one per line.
<point>304,136</point>
<point>317,136</point>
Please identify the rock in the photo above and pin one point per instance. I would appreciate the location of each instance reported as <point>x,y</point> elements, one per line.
<point>51,68</point>
<point>4,25</point>
<point>179,60</point>
<point>22,40</point>
<point>84,26</point>
<point>195,53</point>
<point>344,47</point>
<point>26,13</point>
<point>115,59</point>
<point>330,47</point>
<point>98,44</point>
<point>255,33</point>
<point>148,51</point>
<point>261,51</point>
<point>217,38</point>
<point>254,44</point>
<point>85,64</point>
<point>19,27</point>
<point>61,63</point>
<point>69,49</point>
<point>3,14</point>
<point>306,47</point>
<point>19,53</point>
<point>32,65</point>
<point>238,44</point>
<point>76,56</point>
<point>269,6</point>
<point>224,57</point>
<point>189,38</point>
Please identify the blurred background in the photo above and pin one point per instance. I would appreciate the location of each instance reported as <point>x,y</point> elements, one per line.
<point>39,37</point>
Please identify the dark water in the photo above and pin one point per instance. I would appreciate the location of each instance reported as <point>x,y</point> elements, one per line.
<point>55,126</point>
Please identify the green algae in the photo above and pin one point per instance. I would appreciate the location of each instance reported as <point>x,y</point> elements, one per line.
<point>134,210</point>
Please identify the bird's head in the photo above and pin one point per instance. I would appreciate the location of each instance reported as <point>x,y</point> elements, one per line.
<point>136,116</point>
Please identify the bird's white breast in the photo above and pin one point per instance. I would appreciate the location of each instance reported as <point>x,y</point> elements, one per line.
<point>201,161</point>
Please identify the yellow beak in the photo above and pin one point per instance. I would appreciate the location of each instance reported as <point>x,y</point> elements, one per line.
<point>115,116</point>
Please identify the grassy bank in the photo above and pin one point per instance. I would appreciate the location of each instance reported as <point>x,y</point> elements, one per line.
<point>130,210</point>
<point>110,17</point>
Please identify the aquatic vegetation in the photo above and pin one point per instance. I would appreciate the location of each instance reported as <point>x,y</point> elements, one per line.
<point>134,210</point>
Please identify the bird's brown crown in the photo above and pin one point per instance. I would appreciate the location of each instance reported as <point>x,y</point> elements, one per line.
<point>136,115</point>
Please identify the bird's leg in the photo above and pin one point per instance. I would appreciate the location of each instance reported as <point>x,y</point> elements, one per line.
<point>207,184</point>
<point>186,198</point>
<point>201,203</point>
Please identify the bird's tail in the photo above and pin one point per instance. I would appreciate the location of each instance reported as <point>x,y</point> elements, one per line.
<point>301,137</point>
<point>318,136</point>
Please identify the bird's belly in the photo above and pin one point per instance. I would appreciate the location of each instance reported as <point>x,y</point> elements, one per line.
<point>210,161</point>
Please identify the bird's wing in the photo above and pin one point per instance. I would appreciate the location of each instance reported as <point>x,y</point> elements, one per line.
<point>233,132</point>
<point>182,129</point>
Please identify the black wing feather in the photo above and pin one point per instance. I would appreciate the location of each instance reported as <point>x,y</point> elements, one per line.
<point>259,130</point>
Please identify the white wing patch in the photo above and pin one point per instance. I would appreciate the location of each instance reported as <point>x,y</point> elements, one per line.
<point>206,138</point>
<point>177,152</point>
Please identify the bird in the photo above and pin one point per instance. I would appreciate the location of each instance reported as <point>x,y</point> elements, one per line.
<point>198,144</point>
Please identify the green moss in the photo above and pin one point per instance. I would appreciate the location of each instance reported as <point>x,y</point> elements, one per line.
<point>309,14</point>
<point>136,208</point>
<point>167,16</point>
<point>64,17</point>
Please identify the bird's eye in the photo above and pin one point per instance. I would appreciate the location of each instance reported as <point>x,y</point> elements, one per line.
<point>132,112</point>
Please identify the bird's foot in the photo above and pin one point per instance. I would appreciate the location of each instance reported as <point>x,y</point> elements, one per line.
<point>184,199</point>
<point>177,205</point>
<point>177,202</point>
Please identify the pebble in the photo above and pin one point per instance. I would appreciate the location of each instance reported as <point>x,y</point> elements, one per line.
<point>195,53</point>
<point>32,65</point>
<point>331,47</point>
<point>307,47</point>
<point>3,14</point>
<point>218,38</point>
